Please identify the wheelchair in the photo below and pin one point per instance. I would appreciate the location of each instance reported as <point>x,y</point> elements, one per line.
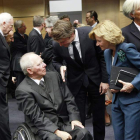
<point>23,132</point>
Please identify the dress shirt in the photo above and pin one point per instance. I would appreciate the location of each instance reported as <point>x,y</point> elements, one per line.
<point>37,30</point>
<point>77,44</point>
<point>38,81</point>
<point>137,26</point>
<point>1,32</point>
<point>94,24</point>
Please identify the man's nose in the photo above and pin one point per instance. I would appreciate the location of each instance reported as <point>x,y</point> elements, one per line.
<point>44,65</point>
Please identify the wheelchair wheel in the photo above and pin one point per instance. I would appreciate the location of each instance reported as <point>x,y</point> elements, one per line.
<point>23,132</point>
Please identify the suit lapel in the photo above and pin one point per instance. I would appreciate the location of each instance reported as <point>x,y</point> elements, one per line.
<point>108,58</point>
<point>40,37</point>
<point>22,39</point>
<point>67,55</point>
<point>36,87</point>
<point>135,31</point>
<point>49,87</point>
<point>5,43</point>
<point>81,40</point>
<point>116,55</point>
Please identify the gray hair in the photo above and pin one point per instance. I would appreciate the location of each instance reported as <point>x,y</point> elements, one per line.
<point>51,20</point>
<point>18,24</point>
<point>5,17</point>
<point>37,21</point>
<point>129,7</point>
<point>26,62</point>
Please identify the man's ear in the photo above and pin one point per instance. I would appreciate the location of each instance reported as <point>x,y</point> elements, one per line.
<point>132,15</point>
<point>4,23</point>
<point>29,70</point>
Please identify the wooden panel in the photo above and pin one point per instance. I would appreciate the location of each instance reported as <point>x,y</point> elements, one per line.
<point>24,8</point>
<point>124,21</point>
<point>29,24</point>
<point>106,9</point>
<point>1,6</point>
<point>121,4</point>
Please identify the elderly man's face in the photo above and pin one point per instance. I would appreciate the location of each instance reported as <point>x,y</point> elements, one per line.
<point>22,29</point>
<point>7,27</point>
<point>39,67</point>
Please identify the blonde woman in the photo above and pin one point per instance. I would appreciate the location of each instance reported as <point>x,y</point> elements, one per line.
<point>125,102</point>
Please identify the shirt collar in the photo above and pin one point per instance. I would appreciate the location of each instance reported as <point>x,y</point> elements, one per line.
<point>94,24</point>
<point>1,32</point>
<point>37,30</point>
<point>76,39</point>
<point>37,81</point>
<point>137,26</point>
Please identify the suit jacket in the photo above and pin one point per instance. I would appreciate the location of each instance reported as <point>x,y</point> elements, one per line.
<point>92,57</point>
<point>132,60</point>
<point>4,61</point>
<point>42,108</point>
<point>18,48</point>
<point>35,42</point>
<point>132,35</point>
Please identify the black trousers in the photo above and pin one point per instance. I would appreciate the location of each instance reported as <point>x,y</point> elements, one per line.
<point>98,108</point>
<point>77,134</point>
<point>5,133</point>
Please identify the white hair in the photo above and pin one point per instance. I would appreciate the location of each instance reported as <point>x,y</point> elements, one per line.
<point>18,24</point>
<point>130,6</point>
<point>51,20</point>
<point>5,17</point>
<point>26,61</point>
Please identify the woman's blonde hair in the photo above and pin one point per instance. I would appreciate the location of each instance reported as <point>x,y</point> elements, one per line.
<point>109,31</point>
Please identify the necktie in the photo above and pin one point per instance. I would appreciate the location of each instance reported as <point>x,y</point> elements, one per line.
<point>42,84</point>
<point>76,54</point>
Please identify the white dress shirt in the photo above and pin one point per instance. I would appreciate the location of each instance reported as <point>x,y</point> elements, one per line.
<point>77,44</point>
<point>94,24</point>
<point>37,30</point>
<point>137,26</point>
<point>37,81</point>
<point>1,32</point>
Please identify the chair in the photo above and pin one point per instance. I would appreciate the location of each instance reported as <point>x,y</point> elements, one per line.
<point>23,132</point>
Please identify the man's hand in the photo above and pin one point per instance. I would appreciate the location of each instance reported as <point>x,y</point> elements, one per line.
<point>103,88</point>
<point>62,71</point>
<point>77,123</point>
<point>14,80</point>
<point>63,135</point>
<point>127,87</point>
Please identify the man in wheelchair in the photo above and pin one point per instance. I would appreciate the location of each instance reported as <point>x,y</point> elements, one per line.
<point>41,96</point>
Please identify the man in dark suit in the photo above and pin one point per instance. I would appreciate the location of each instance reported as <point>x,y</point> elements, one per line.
<point>18,48</point>
<point>35,41</point>
<point>6,25</point>
<point>41,97</point>
<point>86,70</point>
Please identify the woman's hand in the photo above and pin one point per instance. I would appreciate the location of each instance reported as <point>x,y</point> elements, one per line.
<point>127,87</point>
<point>114,90</point>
